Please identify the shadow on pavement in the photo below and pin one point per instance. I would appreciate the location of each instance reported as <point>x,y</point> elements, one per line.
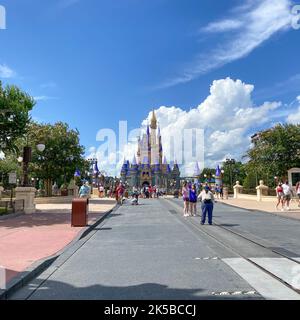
<point>54,290</point>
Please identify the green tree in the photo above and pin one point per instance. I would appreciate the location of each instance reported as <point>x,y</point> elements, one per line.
<point>7,165</point>
<point>14,116</point>
<point>209,172</point>
<point>274,152</point>
<point>62,155</point>
<point>233,172</point>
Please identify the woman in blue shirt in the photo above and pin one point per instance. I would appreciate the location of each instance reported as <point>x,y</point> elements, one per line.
<point>193,200</point>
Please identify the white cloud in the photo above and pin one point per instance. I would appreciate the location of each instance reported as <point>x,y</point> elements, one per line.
<point>228,116</point>
<point>44,98</point>
<point>294,116</point>
<point>224,25</point>
<point>6,72</point>
<point>248,28</point>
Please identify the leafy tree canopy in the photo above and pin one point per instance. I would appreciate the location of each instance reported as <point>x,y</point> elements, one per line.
<point>14,116</point>
<point>276,150</point>
<point>62,155</point>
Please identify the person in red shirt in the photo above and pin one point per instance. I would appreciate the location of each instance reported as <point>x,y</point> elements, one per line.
<point>119,192</point>
<point>150,191</point>
<point>279,194</point>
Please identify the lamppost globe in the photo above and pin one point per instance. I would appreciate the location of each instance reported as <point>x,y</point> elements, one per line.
<point>222,171</point>
<point>41,147</point>
<point>20,159</point>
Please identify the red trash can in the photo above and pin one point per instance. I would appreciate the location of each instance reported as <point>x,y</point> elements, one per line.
<point>79,212</point>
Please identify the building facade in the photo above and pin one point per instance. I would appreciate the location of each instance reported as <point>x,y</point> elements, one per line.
<point>148,166</point>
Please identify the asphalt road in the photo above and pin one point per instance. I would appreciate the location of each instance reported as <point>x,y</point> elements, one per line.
<point>151,252</point>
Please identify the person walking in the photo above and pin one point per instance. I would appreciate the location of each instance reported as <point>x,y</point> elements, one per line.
<point>120,192</point>
<point>279,194</point>
<point>287,195</point>
<point>221,192</point>
<point>185,197</point>
<point>101,191</point>
<point>298,192</point>
<point>84,191</point>
<point>193,200</point>
<point>207,199</point>
<point>217,191</point>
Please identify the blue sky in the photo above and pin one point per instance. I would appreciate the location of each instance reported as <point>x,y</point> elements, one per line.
<point>92,63</point>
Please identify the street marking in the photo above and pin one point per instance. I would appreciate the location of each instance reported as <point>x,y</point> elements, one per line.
<point>207,258</point>
<point>233,293</point>
<point>262,282</point>
<point>237,292</point>
<point>283,268</point>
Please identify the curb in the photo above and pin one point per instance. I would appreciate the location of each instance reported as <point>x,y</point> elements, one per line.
<point>260,211</point>
<point>39,266</point>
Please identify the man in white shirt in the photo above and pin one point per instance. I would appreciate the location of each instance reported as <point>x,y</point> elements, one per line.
<point>207,199</point>
<point>287,194</point>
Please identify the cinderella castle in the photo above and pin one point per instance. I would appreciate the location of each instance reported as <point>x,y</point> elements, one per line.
<point>149,167</point>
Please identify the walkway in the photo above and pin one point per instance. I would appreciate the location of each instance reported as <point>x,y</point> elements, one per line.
<point>28,238</point>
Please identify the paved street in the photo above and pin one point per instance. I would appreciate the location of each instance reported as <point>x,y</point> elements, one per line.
<point>151,252</point>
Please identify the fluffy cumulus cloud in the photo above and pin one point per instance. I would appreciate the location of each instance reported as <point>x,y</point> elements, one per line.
<point>227,117</point>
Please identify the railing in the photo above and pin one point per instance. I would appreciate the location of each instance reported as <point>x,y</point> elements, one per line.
<point>14,206</point>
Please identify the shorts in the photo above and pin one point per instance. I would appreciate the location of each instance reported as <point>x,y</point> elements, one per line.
<point>186,199</point>
<point>280,195</point>
<point>287,197</point>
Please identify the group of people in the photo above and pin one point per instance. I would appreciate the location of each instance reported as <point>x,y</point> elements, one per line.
<point>190,199</point>
<point>148,192</point>
<point>284,193</point>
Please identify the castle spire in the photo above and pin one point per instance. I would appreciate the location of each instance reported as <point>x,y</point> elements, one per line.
<point>153,121</point>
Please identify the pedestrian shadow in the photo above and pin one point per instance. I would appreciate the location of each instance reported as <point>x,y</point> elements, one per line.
<point>56,290</point>
<point>228,224</point>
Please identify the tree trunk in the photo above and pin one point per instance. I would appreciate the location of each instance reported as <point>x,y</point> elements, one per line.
<point>48,187</point>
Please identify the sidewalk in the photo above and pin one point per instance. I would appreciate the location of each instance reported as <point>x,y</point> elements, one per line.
<point>266,206</point>
<point>27,239</point>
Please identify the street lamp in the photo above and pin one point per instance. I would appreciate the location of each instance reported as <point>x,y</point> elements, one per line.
<point>41,147</point>
<point>230,162</point>
<point>27,152</point>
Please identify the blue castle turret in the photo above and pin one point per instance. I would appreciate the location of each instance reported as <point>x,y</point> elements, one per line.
<point>218,176</point>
